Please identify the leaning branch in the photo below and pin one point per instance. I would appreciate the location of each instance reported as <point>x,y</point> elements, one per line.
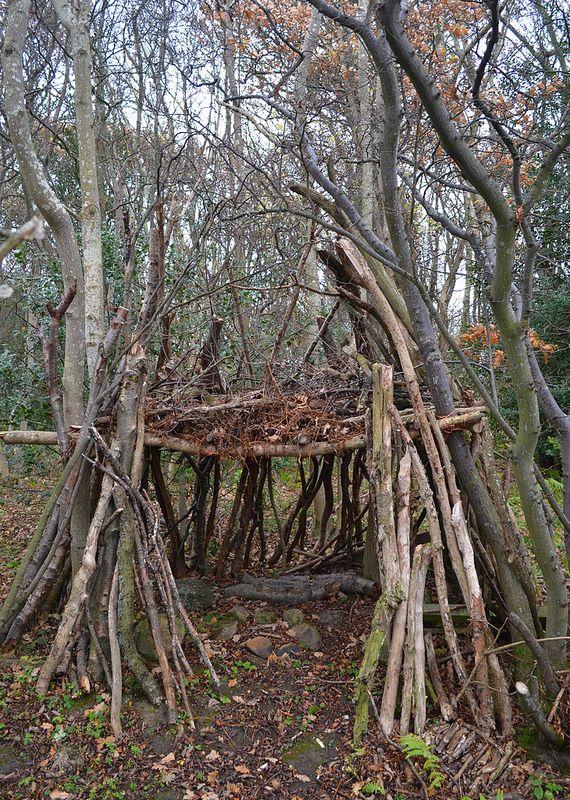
<point>33,229</point>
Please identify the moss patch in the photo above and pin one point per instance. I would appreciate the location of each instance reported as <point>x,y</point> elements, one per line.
<point>309,753</point>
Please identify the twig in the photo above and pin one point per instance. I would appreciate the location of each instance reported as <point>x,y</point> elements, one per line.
<point>503,763</point>
<point>556,703</point>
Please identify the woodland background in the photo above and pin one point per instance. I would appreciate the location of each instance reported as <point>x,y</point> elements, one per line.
<point>253,202</point>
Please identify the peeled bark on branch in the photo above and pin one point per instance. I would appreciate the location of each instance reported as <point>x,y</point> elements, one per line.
<point>395,656</point>
<point>384,531</point>
<point>413,689</point>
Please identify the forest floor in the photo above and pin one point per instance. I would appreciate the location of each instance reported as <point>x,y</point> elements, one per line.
<point>280,729</point>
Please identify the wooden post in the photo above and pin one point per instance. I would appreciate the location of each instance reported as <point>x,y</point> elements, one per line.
<point>387,547</point>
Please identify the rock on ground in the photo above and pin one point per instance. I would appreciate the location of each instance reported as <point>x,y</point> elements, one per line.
<point>290,649</point>
<point>195,594</point>
<point>240,613</point>
<point>307,635</point>
<point>225,628</point>
<point>259,646</point>
<point>293,616</point>
<point>264,617</point>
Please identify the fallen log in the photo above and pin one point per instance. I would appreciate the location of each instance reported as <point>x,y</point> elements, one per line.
<point>300,588</point>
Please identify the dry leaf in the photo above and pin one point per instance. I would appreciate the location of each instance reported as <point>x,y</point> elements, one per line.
<point>104,740</point>
<point>94,709</point>
<point>57,794</point>
<point>242,769</point>
<point>168,759</point>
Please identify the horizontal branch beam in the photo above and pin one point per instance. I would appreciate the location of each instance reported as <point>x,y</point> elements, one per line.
<point>259,449</point>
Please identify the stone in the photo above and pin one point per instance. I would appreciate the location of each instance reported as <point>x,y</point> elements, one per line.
<point>291,649</point>
<point>309,753</point>
<point>224,629</point>
<point>240,613</point>
<point>293,616</point>
<point>263,617</point>
<point>145,642</point>
<point>307,635</point>
<point>195,594</point>
<point>259,646</point>
<point>332,618</point>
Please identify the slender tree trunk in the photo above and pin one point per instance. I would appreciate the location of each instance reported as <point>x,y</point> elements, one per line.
<point>35,180</point>
<point>561,422</point>
<point>77,27</point>
<point>513,336</point>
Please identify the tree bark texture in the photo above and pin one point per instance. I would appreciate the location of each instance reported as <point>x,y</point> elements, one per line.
<point>50,206</point>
